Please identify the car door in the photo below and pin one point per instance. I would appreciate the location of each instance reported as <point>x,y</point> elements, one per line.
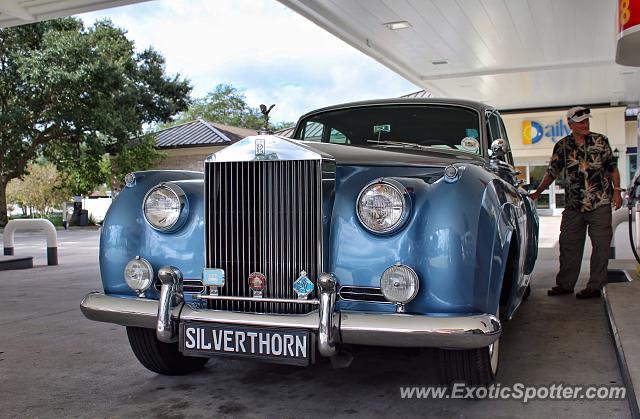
<point>530,214</point>
<point>516,205</point>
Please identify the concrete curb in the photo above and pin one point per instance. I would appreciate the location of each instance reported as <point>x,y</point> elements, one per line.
<point>622,361</point>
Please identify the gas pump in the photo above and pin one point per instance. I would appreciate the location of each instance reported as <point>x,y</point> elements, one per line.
<point>633,197</point>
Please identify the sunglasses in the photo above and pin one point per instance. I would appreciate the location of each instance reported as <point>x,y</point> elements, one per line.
<point>581,112</point>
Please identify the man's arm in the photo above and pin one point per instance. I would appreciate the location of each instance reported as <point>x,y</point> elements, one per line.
<point>546,181</point>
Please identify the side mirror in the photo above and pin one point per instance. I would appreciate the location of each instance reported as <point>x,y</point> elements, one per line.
<point>498,148</point>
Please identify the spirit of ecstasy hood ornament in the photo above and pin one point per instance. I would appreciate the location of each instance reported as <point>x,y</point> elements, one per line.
<point>265,112</point>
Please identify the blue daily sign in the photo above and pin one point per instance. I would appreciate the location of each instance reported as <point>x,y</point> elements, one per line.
<point>533,131</point>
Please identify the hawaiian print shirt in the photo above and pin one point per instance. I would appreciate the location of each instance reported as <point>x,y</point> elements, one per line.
<point>587,168</point>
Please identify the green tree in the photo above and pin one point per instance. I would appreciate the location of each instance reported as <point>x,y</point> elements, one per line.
<point>141,154</point>
<point>225,105</point>
<point>42,189</point>
<point>67,90</point>
<point>85,170</point>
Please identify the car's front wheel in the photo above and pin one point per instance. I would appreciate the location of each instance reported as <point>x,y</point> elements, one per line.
<point>471,366</point>
<point>162,358</point>
<point>477,366</point>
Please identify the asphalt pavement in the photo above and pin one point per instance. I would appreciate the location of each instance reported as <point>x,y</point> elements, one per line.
<point>56,363</point>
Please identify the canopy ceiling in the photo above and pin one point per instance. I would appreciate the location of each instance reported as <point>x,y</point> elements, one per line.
<point>513,54</point>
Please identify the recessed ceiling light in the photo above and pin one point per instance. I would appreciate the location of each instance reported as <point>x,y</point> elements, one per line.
<point>626,73</point>
<point>402,24</point>
<point>440,62</point>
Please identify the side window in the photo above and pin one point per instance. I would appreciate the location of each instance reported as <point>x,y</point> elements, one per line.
<point>337,137</point>
<point>495,129</point>
<point>312,131</point>
<point>505,137</point>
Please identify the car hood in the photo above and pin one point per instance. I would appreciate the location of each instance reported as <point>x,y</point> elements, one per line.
<point>354,155</point>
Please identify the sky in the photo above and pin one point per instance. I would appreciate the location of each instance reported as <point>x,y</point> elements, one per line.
<point>261,47</point>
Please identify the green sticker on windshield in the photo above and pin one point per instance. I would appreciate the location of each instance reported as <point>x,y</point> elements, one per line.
<point>472,132</point>
<point>381,128</point>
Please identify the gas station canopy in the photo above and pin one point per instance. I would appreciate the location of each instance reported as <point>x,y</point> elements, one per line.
<point>512,54</point>
<point>22,12</point>
<point>516,54</point>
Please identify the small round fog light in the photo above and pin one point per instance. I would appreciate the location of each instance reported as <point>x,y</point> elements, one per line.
<point>138,274</point>
<point>399,284</point>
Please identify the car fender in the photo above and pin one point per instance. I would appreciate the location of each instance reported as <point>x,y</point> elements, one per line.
<point>126,234</point>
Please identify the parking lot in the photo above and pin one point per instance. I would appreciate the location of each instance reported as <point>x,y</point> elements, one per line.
<point>56,363</point>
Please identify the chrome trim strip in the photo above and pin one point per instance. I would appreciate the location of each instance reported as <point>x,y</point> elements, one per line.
<point>307,321</point>
<point>362,328</point>
<point>346,295</point>
<point>376,292</point>
<point>326,341</point>
<point>407,330</point>
<point>257,300</point>
<point>166,329</point>
<point>125,311</point>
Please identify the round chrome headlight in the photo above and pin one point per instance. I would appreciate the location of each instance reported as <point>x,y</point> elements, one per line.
<point>399,284</point>
<point>138,274</point>
<point>383,206</point>
<point>163,206</point>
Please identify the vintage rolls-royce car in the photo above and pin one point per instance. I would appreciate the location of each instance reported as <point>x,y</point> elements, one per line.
<point>388,223</point>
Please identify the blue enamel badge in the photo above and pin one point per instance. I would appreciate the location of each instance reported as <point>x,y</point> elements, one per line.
<point>303,285</point>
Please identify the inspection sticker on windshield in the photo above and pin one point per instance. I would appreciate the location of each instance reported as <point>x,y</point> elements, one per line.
<point>470,144</point>
<point>381,128</point>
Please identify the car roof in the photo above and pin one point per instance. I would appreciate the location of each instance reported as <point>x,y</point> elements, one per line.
<point>481,107</point>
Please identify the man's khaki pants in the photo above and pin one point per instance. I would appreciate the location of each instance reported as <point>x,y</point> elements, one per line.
<point>572,235</point>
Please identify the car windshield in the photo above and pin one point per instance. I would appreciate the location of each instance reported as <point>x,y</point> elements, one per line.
<point>397,126</point>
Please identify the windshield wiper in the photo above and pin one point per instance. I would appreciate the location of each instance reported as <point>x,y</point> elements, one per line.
<point>399,144</point>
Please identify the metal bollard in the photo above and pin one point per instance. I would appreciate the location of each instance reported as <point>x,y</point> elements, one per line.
<point>39,223</point>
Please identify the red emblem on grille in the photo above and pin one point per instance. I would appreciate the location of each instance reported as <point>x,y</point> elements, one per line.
<point>257,281</point>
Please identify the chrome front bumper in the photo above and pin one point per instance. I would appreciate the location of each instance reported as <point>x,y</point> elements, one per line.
<point>354,327</point>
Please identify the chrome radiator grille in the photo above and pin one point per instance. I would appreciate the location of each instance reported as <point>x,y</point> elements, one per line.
<point>263,216</point>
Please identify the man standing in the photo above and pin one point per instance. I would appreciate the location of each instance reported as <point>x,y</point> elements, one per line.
<point>592,186</point>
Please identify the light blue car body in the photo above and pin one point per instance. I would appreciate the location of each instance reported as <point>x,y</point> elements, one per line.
<point>464,239</point>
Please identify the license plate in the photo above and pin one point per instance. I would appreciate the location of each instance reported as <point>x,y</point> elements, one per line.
<point>272,345</point>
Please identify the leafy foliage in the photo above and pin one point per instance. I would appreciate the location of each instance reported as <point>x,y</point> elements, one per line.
<point>226,104</point>
<point>43,189</point>
<point>139,156</point>
<point>71,94</point>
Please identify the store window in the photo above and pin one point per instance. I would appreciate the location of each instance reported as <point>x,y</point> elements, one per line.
<point>522,173</point>
<point>632,164</point>
<point>536,173</point>
<point>558,186</point>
